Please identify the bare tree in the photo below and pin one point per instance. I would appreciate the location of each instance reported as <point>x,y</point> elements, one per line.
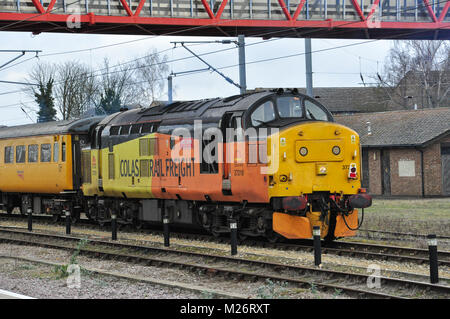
<point>77,89</point>
<point>151,74</point>
<point>114,90</point>
<point>418,71</point>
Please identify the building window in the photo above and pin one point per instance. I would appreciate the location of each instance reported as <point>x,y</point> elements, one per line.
<point>406,168</point>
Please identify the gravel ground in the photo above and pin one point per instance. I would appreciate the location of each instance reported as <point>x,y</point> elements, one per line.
<point>40,281</point>
<point>343,263</point>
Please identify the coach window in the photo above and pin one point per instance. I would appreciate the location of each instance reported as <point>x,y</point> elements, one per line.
<point>63,152</point>
<point>55,152</point>
<point>20,153</point>
<point>46,153</point>
<point>9,154</point>
<point>33,153</point>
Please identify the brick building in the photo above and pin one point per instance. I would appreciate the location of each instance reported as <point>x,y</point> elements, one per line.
<point>404,153</point>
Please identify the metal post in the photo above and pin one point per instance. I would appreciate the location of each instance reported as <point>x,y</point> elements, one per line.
<point>166,231</point>
<point>242,69</point>
<point>113,226</point>
<point>68,222</point>
<point>308,62</point>
<point>233,233</point>
<point>432,248</point>
<point>30,219</point>
<point>317,248</point>
<point>169,88</point>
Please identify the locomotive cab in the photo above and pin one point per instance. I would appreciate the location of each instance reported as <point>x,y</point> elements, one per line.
<point>315,167</point>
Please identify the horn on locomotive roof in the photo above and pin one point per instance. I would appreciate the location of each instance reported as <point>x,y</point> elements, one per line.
<point>280,91</point>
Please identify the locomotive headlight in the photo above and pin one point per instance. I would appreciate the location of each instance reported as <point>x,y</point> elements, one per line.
<point>303,151</point>
<point>336,150</point>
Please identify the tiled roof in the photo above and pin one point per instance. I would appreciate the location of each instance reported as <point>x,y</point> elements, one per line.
<point>399,128</point>
<point>351,99</point>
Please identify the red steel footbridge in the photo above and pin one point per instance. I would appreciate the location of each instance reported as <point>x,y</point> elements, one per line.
<point>349,19</point>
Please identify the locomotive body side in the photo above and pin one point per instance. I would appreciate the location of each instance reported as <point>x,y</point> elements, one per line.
<point>311,178</point>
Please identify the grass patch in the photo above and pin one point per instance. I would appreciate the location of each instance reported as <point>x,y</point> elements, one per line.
<point>61,271</point>
<point>422,216</point>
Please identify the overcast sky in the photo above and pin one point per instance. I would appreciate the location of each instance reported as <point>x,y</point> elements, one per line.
<point>338,67</point>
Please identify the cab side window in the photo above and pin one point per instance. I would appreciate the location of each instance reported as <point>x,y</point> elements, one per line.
<point>263,114</point>
<point>55,152</point>
<point>314,111</point>
<point>63,152</point>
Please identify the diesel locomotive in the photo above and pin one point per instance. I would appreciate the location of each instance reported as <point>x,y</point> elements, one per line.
<point>275,161</point>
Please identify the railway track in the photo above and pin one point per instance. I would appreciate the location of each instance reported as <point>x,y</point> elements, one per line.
<point>339,248</point>
<point>352,284</point>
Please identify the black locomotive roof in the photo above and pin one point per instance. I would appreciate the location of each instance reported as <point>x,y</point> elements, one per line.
<point>77,126</point>
<point>187,111</point>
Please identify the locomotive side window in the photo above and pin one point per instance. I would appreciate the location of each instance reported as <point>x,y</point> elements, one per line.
<point>55,152</point>
<point>125,129</point>
<point>33,151</point>
<point>114,130</point>
<point>289,106</point>
<point>146,128</point>
<point>46,153</point>
<point>63,152</point>
<point>263,114</point>
<point>20,153</point>
<point>136,129</point>
<point>9,154</point>
<point>315,112</point>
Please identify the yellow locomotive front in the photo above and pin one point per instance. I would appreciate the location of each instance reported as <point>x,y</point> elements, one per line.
<point>314,171</point>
